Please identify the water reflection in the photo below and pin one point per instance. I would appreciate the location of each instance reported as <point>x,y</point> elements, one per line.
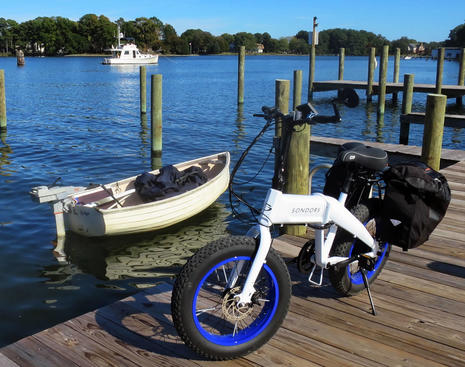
<point>144,135</point>
<point>239,132</point>
<point>5,152</point>
<point>143,258</point>
<point>369,109</point>
<point>379,127</point>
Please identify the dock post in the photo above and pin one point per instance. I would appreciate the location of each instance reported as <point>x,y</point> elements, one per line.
<point>299,155</point>
<point>240,75</point>
<point>371,73</point>
<point>407,97</point>
<point>434,127</point>
<point>311,71</point>
<point>395,78</point>
<point>282,90</point>
<point>143,89</point>
<point>2,101</point>
<point>281,101</point>
<point>156,116</point>
<point>382,80</point>
<point>297,92</point>
<point>340,74</point>
<point>461,78</point>
<point>439,70</point>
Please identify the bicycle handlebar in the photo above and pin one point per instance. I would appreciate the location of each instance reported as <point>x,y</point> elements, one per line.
<point>303,114</point>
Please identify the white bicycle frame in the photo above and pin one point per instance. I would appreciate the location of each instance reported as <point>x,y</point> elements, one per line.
<point>317,210</point>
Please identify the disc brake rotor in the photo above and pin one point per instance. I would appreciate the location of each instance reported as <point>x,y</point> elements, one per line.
<point>230,307</point>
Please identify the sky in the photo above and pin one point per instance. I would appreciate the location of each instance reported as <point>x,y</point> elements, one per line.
<point>422,20</point>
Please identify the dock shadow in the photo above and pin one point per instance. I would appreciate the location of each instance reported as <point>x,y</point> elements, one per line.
<point>143,322</point>
<point>449,269</point>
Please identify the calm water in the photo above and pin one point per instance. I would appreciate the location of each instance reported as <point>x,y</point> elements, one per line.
<point>77,119</point>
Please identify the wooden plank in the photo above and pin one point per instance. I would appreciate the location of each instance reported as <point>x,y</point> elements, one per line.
<point>328,147</point>
<point>147,324</point>
<point>6,362</point>
<point>448,90</point>
<point>385,339</point>
<point>74,346</point>
<point>352,334</point>
<point>319,352</point>
<point>455,121</point>
<point>30,352</point>
<point>440,327</point>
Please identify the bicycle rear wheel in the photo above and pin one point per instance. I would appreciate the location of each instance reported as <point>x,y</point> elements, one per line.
<point>348,280</point>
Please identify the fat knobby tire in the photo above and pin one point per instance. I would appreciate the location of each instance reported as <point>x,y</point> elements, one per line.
<point>192,274</point>
<point>342,246</point>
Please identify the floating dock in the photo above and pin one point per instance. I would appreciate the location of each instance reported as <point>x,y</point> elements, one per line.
<point>449,90</point>
<point>419,296</point>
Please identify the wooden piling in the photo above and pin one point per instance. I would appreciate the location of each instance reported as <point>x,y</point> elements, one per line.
<point>407,97</point>
<point>461,77</point>
<point>382,80</point>
<point>297,92</point>
<point>311,71</point>
<point>340,74</point>
<point>282,90</point>
<point>20,58</point>
<point>395,77</point>
<point>240,75</point>
<point>2,101</point>
<point>156,115</point>
<point>371,72</point>
<point>434,127</point>
<point>439,70</point>
<point>143,89</point>
<point>299,152</point>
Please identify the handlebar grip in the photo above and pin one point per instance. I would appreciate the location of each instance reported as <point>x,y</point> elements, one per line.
<point>258,115</point>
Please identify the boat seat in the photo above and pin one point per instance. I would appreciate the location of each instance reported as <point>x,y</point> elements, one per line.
<point>365,156</point>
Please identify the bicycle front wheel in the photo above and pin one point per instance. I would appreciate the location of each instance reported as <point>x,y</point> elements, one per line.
<point>204,308</point>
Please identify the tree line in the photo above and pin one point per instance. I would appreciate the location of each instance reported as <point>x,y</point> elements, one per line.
<point>92,34</point>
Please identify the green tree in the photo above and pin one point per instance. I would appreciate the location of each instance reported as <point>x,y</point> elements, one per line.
<point>457,36</point>
<point>7,34</point>
<point>170,39</point>
<point>229,39</point>
<point>303,35</point>
<point>298,46</point>
<point>200,42</point>
<point>245,39</point>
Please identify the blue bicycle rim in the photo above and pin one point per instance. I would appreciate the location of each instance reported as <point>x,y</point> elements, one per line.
<point>257,326</point>
<point>357,278</point>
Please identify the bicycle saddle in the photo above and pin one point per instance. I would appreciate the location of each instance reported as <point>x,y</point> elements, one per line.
<point>369,157</point>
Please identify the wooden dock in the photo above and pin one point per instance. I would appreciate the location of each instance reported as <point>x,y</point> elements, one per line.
<point>420,299</point>
<point>449,90</point>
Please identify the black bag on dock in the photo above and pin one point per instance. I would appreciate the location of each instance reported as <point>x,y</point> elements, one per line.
<point>415,201</point>
<point>169,182</point>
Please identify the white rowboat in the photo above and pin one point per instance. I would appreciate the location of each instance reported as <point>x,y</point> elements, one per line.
<point>116,208</point>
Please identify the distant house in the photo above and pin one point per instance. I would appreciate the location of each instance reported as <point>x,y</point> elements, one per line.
<point>450,53</point>
<point>416,48</point>
<point>260,48</point>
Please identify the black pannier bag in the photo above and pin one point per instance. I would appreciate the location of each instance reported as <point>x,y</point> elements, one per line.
<point>168,182</point>
<point>415,201</point>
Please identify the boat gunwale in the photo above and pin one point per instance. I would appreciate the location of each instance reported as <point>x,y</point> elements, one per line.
<point>226,154</point>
